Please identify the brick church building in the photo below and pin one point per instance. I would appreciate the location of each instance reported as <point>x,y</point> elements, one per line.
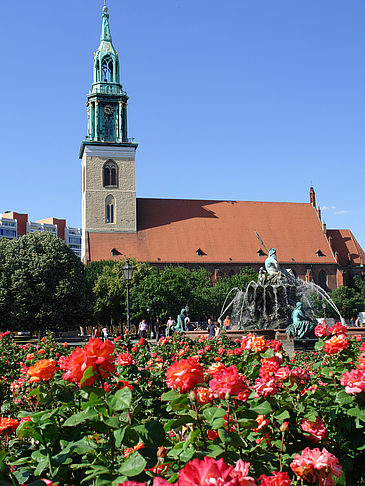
<point>219,235</point>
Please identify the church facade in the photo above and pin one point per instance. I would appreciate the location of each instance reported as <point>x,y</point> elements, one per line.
<point>223,236</point>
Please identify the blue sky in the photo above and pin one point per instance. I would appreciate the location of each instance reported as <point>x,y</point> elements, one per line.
<point>242,100</point>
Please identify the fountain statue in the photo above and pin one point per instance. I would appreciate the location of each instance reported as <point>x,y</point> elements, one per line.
<point>278,300</point>
<point>180,321</point>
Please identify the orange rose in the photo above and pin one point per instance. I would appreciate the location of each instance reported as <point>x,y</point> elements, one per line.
<point>336,344</point>
<point>258,343</point>
<point>184,374</point>
<point>96,354</point>
<point>8,425</point>
<point>215,367</point>
<point>43,370</point>
<point>204,395</point>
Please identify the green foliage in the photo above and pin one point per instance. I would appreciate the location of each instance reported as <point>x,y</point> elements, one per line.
<point>348,301</point>
<point>166,291</point>
<point>42,285</point>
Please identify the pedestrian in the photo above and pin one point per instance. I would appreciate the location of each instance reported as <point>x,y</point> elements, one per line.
<point>211,329</point>
<point>217,331</point>
<point>104,333</point>
<point>227,323</point>
<point>143,328</point>
<point>170,326</point>
<point>96,332</point>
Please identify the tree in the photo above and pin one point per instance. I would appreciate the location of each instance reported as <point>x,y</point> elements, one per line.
<point>110,290</point>
<point>46,285</point>
<point>348,301</point>
<point>168,290</point>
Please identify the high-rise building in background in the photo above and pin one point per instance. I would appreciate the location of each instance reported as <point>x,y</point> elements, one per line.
<point>14,225</point>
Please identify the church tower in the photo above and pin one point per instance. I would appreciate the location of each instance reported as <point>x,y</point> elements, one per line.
<point>107,155</point>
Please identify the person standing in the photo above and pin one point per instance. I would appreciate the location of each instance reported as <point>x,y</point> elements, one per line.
<point>211,329</point>
<point>227,323</point>
<point>217,331</point>
<point>187,323</point>
<point>105,334</point>
<point>143,328</point>
<point>170,326</point>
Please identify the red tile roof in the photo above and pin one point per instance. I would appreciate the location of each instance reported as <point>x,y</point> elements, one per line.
<point>172,230</point>
<point>345,243</point>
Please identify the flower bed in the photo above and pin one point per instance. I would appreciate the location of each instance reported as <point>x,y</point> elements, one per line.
<point>203,412</point>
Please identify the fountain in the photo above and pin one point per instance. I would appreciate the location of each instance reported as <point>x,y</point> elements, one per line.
<point>274,301</point>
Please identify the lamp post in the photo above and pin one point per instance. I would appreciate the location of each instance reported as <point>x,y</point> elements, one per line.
<point>127,271</point>
<point>150,313</point>
<point>324,310</point>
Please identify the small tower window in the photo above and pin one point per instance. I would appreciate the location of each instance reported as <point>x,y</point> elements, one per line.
<point>107,68</point>
<point>109,209</point>
<point>109,174</point>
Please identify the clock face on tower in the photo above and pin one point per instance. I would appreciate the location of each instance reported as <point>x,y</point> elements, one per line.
<point>108,110</point>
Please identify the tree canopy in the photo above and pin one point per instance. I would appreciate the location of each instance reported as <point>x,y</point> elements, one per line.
<point>42,285</point>
<point>166,291</point>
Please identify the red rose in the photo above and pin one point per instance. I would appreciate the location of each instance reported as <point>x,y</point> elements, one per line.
<point>316,430</point>
<point>277,479</point>
<point>184,374</point>
<point>209,471</point>
<point>124,359</point>
<point>228,380</point>
<point>96,354</point>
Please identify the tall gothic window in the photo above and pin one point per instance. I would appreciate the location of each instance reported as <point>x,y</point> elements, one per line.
<point>322,279</point>
<point>109,209</point>
<point>109,173</point>
<point>107,68</point>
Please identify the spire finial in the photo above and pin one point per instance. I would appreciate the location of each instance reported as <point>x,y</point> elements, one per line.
<point>105,8</point>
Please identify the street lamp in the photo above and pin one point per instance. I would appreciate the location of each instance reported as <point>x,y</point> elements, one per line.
<point>324,310</point>
<point>127,276</point>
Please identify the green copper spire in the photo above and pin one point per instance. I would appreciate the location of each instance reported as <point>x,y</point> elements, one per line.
<point>107,102</point>
<point>106,62</point>
<point>105,33</point>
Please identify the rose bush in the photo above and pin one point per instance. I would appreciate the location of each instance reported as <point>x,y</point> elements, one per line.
<point>183,412</point>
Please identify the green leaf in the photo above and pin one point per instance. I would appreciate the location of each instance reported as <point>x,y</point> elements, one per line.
<point>218,423</point>
<point>133,466</point>
<point>213,413</point>
<point>263,408</point>
<point>183,420</point>
<point>77,418</point>
<point>282,416</point>
<point>356,412</point>
<point>88,373</point>
<point>120,400</point>
<point>224,436</point>
<point>170,395</point>
<point>151,432</point>
<point>187,454</point>
<point>269,353</point>
<point>118,436</point>
<point>22,474</point>
<point>343,398</point>
<point>215,450</point>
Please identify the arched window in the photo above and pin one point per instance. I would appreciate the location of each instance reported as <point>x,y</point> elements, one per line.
<point>107,68</point>
<point>322,279</point>
<point>109,209</point>
<point>97,67</point>
<point>109,173</point>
